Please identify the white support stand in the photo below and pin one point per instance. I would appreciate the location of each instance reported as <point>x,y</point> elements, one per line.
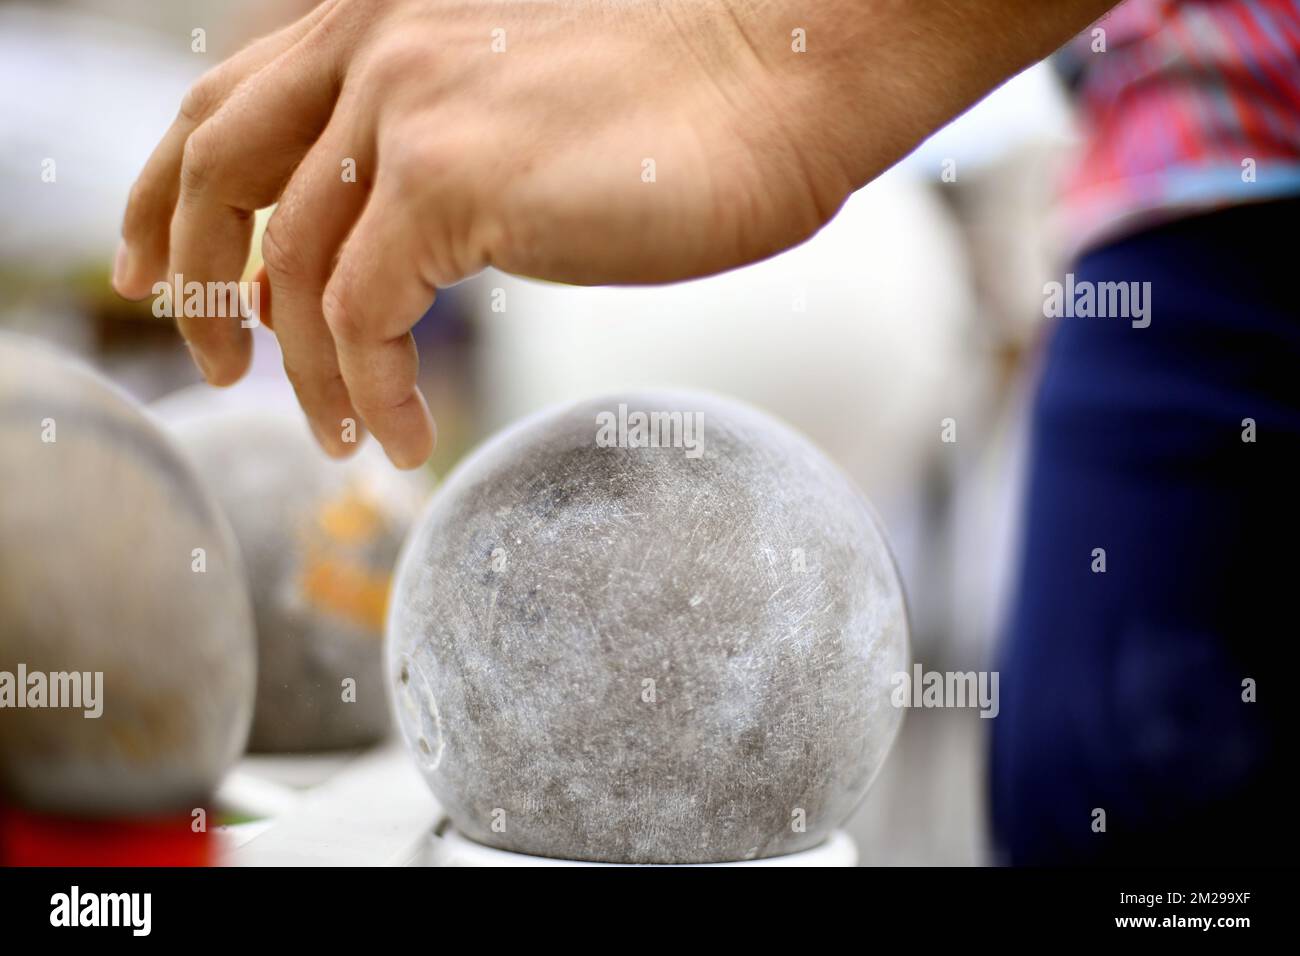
<point>373,808</point>
<point>449,848</point>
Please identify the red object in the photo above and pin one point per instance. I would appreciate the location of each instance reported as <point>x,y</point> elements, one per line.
<point>28,838</point>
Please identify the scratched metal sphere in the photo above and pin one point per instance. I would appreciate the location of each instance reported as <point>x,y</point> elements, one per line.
<point>320,539</point>
<point>113,559</point>
<point>676,654</point>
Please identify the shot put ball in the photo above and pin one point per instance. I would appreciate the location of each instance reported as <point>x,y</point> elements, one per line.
<point>319,539</point>
<point>114,561</point>
<point>610,651</point>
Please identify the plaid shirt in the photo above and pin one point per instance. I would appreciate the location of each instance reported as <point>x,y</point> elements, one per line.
<point>1194,105</point>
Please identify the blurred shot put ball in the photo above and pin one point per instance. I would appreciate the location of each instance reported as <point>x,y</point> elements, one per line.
<point>113,560</point>
<point>673,654</point>
<point>319,538</point>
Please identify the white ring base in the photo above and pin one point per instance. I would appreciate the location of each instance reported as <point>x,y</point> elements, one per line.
<point>451,849</point>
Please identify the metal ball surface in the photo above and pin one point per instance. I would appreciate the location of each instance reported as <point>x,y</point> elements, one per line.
<point>114,561</point>
<point>604,650</point>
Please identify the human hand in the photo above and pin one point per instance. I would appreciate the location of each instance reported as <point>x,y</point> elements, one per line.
<point>581,140</point>
<point>603,143</point>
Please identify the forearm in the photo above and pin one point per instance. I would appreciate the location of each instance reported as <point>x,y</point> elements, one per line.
<point>878,76</point>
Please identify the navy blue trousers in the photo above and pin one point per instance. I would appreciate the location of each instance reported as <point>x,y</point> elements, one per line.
<point>1122,691</point>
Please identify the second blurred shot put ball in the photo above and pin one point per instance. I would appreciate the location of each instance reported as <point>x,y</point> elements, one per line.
<point>319,538</point>
<point>118,568</point>
<point>677,654</point>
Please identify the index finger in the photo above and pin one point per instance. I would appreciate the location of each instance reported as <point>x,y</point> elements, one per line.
<point>146,224</point>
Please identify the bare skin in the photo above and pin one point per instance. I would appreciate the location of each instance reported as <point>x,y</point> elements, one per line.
<point>533,159</point>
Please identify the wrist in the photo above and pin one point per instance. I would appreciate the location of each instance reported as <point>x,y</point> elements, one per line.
<point>785,93</point>
<point>865,81</point>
